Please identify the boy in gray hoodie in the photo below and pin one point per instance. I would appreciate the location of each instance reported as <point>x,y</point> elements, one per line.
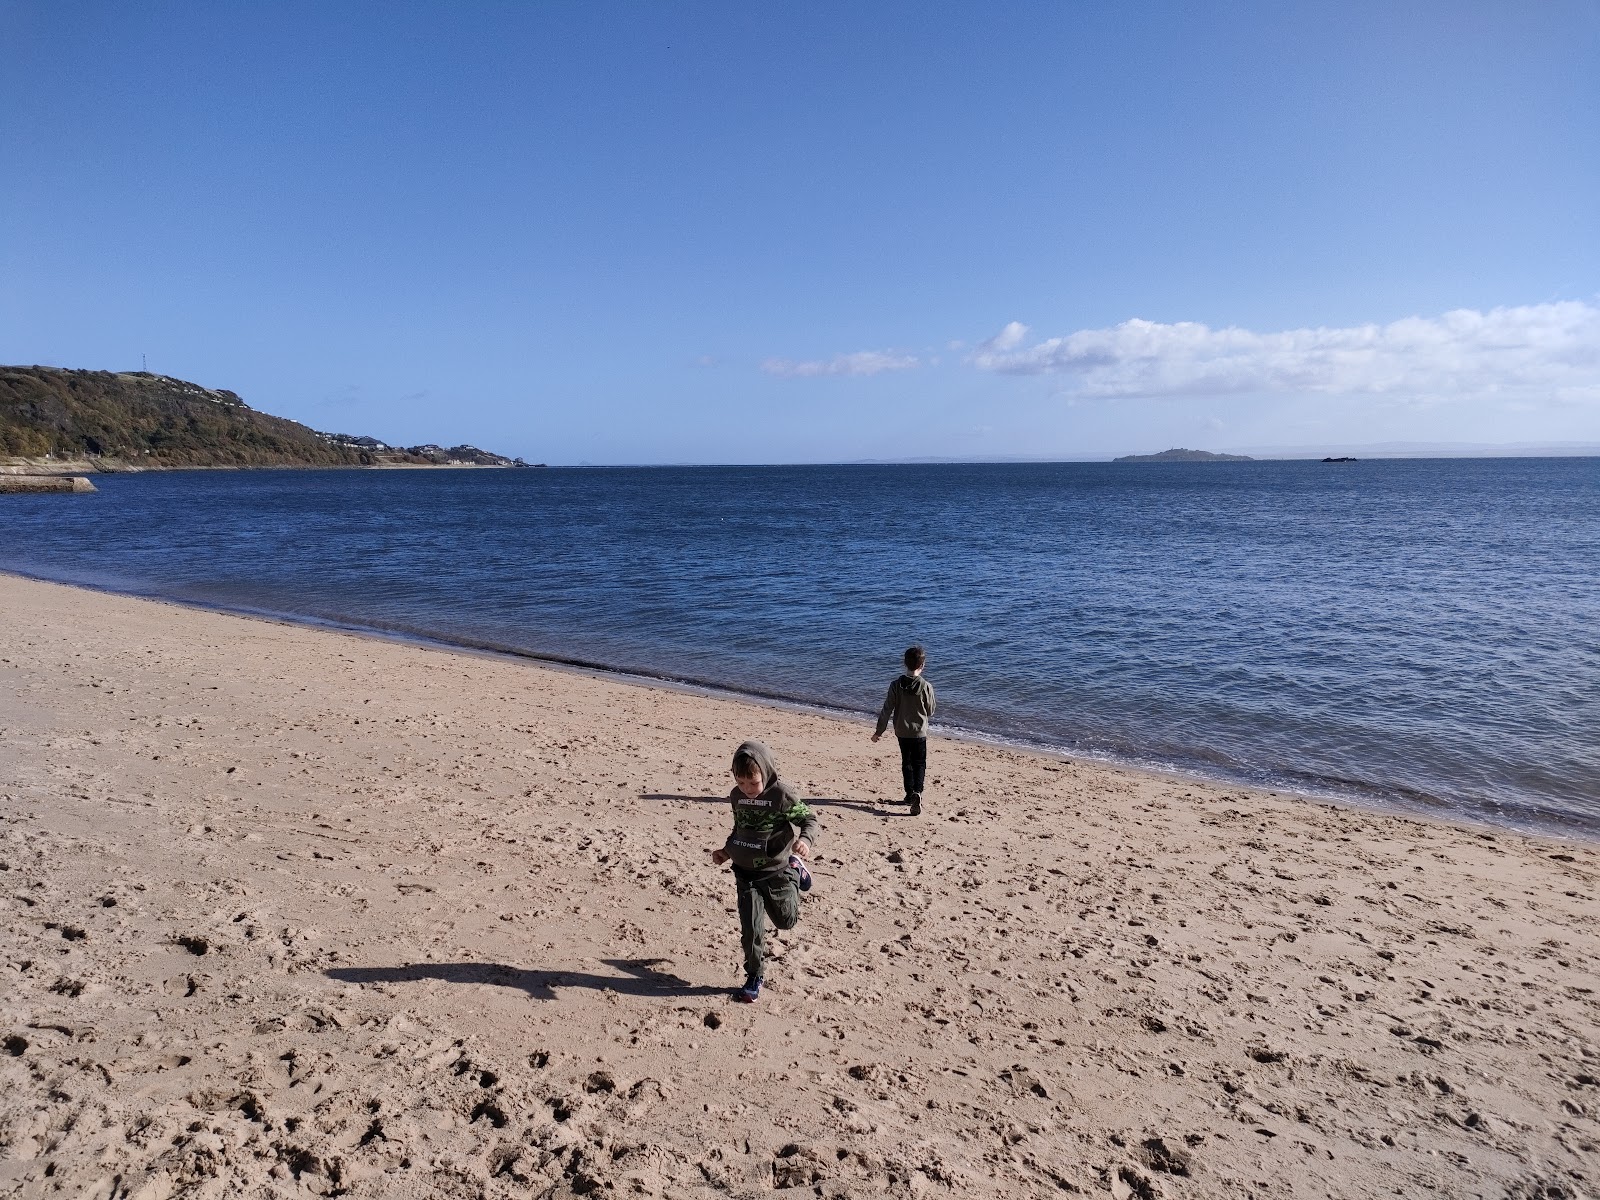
<point>909,704</point>
<point>773,830</point>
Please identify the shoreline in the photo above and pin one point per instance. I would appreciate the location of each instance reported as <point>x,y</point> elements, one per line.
<point>290,909</point>
<point>1369,798</point>
<point>87,466</point>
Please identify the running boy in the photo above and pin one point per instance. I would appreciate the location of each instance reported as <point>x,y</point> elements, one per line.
<point>773,830</point>
<point>909,704</point>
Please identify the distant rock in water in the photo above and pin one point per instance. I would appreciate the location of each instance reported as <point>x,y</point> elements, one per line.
<point>1184,456</point>
<point>55,421</point>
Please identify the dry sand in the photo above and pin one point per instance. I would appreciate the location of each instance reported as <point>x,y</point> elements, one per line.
<point>290,911</point>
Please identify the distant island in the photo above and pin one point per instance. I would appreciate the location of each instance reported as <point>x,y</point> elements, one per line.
<point>1184,456</point>
<point>58,420</point>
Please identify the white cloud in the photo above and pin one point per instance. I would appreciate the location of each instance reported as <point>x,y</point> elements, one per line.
<point>1547,348</point>
<point>1008,338</point>
<point>863,362</point>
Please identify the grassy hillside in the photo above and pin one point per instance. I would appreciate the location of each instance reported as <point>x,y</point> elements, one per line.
<point>134,419</point>
<point>150,420</point>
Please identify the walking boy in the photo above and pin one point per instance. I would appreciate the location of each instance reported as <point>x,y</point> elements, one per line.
<point>773,830</point>
<point>909,704</point>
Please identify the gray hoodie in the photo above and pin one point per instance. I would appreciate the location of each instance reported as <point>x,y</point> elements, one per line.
<point>766,827</point>
<point>910,703</point>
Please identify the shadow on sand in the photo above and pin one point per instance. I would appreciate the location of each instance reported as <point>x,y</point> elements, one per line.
<point>641,977</point>
<point>821,802</point>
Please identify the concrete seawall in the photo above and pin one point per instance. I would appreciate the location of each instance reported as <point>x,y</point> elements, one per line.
<point>45,483</point>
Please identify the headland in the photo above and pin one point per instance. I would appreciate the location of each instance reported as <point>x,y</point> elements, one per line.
<point>55,421</point>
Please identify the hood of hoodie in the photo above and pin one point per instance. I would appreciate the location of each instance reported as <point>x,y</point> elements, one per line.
<point>763,758</point>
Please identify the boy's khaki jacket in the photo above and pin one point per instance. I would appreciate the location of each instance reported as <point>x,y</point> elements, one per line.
<point>909,703</point>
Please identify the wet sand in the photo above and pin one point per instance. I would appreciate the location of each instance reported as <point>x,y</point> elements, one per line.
<point>295,912</point>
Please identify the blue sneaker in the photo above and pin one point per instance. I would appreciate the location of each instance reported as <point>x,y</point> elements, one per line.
<point>749,993</point>
<point>799,868</point>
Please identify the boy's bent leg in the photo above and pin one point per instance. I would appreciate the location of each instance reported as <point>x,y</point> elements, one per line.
<point>781,895</point>
<point>752,926</point>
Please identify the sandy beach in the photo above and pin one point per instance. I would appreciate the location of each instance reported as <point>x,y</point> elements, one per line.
<point>294,912</point>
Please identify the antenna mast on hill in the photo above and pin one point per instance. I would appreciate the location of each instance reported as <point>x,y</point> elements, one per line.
<point>144,364</point>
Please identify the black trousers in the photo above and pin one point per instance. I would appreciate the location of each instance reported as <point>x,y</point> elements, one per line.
<point>913,763</point>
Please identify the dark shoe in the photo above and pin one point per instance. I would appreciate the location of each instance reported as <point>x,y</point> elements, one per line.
<point>749,993</point>
<point>916,806</point>
<point>799,868</point>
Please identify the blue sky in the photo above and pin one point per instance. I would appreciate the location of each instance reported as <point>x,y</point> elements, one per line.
<point>751,232</point>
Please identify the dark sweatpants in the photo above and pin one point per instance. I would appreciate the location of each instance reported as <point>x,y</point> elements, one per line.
<point>779,896</point>
<point>913,763</point>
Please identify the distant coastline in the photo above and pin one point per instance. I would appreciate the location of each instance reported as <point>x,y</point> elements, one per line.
<point>1364,451</point>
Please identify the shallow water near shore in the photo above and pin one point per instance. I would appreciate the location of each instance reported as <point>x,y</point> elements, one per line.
<point>1420,632</point>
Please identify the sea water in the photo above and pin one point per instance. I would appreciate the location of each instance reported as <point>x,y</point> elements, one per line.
<point>1424,633</point>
